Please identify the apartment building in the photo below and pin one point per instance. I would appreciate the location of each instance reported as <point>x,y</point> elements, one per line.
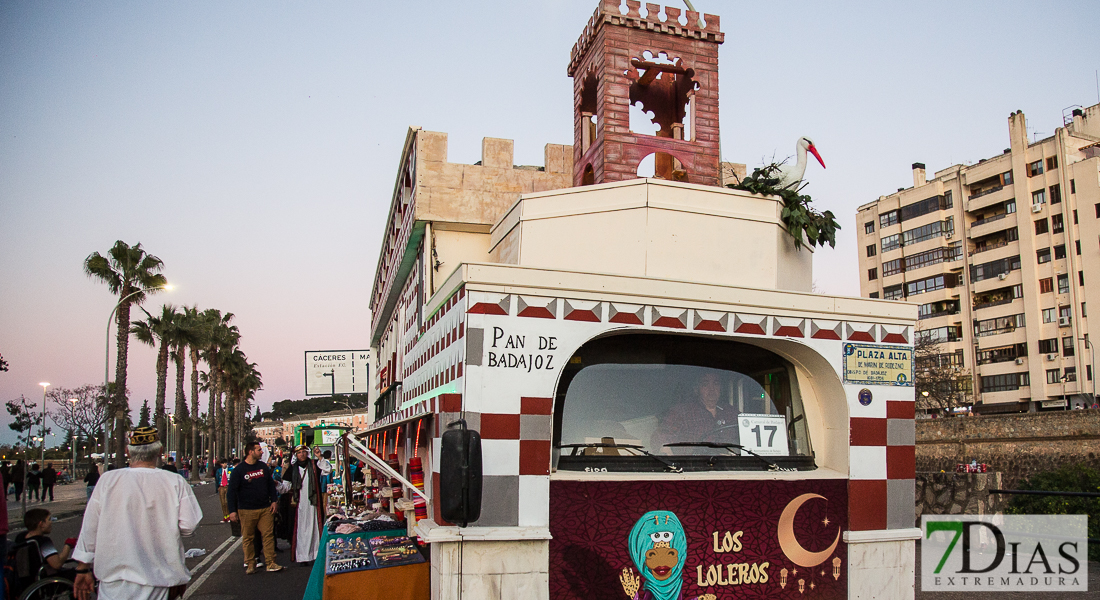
<point>1003,259</point>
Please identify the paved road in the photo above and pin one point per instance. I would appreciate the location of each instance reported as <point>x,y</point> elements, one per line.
<point>219,575</point>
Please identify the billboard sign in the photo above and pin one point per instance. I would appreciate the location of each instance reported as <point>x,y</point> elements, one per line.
<point>347,370</point>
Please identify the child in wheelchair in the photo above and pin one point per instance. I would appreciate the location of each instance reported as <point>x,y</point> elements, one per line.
<point>39,526</point>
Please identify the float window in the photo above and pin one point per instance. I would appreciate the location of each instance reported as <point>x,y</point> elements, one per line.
<point>643,402</point>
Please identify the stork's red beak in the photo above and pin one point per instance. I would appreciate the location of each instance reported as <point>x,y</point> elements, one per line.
<point>813,150</point>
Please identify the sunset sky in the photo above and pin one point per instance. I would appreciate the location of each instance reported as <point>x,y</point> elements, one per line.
<point>253,146</point>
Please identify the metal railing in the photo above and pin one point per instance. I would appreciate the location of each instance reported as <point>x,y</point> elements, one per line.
<point>986,192</point>
<point>989,219</point>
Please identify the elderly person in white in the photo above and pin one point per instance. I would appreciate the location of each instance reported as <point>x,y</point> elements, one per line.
<point>133,524</point>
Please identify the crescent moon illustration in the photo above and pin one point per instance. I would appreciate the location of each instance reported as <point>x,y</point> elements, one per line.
<point>789,543</point>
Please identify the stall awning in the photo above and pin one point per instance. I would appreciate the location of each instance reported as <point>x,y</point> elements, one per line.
<point>420,409</point>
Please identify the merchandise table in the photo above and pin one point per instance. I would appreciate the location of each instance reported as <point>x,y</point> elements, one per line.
<point>406,582</point>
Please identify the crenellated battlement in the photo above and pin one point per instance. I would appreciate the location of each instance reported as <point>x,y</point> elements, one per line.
<point>608,12</point>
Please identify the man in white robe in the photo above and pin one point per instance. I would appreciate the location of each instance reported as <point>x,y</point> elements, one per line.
<point>131,538</point>
<point>307,505</point>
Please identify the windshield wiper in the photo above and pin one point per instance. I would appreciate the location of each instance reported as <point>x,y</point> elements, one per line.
<point>729,448</point>
<point>575,447</point>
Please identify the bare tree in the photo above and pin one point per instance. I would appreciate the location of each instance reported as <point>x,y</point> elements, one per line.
<point>941,382</point>
<point>87,415</point>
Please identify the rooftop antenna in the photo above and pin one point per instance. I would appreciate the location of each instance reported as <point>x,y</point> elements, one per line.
<point>692,9</point>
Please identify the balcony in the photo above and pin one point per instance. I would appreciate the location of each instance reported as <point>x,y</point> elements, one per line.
<point>992,224</point>
<point>1001,243</point>
<point>989,197</point>
<point>997,302</point>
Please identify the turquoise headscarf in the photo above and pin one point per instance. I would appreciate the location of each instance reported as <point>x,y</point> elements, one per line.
<point>652,522</point>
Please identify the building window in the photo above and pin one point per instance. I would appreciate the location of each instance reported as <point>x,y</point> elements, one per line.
<point>1067,346</point>
<point>938,309</point>
<point>872,250</point>
<point>1084,313</point>
<point>869,227</point>
<point>872,274</point>
<point>1075,216</point>
<point>1043,256</point>
<point>887,219</point>
<point>1041,226</point>
<point>1070,374</point>
<point>930,284</point>
<point>1063,312</point>
<point>1010,206</point>
<point>891,242</point>
<point>947,199</point>
<point>1035,168</point>
<point>1046,286</point>
<point>1048,346</point>
<point>1039,197</point>
<point>1055,194</point>
<point>1006,177</point>
<point>1088,372</point>
<point>1054,375</point>
<point>1060,251</point>
<point>950,333</point>
<point>1097,206</point>
<point>1056,224</point>
<point>1063,284</point>
<point>893,267</point>
<point>873,295</point>
<point>1002,354</point>
<point>916,209</point>
<point>998,325</point>
<point>1052,163</point>
<point>1049,315</point>
<point>894,292</point>
<point>1004,383</point>
<point>1081,278</point>
<point>1077,246</point>
<point>927,232</point>
<point>993,269</point>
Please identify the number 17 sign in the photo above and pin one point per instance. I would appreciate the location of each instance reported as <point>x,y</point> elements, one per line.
<point>765,435</point>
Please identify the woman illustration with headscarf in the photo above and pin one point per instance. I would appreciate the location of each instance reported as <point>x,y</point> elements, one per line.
<point>658,547</point>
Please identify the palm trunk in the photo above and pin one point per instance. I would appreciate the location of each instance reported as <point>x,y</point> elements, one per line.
<point>181,401</point>
<point>231,422</point>
<point>118,404</point>
<point>194,411</point>
<point>162,388</point>
<point>211,411</point>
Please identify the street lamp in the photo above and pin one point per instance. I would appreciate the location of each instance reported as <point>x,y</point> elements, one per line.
<point>72,423</point>
<point>107,353</point>
<point>44,384</point>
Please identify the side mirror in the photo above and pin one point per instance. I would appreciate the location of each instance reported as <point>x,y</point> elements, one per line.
<point>460,474</point>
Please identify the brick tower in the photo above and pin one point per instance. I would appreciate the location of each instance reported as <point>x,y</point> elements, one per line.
<point>671,69</point>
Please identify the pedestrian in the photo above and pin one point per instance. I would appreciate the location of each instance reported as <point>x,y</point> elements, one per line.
<point>91,479</point>
<point>49,478</point>
<point>3,532</point>
<point>133,528</point>
<point>5,473</point>
<point>221,483</point>
<point>39,525</point>
<point>170,465</point>
<point>18,478</point>
<point>307,506</point>
<point>34,483</point>
<point>253,502</point>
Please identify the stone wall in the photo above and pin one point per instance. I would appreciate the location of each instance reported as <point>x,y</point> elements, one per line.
<point>1018,446</point>
<point>959,494</point>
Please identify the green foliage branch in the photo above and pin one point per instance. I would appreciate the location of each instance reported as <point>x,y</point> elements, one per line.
<point>798,216</point>
<point>1067,478</point>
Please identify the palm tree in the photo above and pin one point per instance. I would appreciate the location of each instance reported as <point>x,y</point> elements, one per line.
<point>150,331</point>
<point>185,332</point>
<point>243,381</point>
<point>200,327</point>
<point>130,273</point>
<point>223,339</point>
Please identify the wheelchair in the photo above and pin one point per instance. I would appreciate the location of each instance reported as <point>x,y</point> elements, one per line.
<point>27,579</point>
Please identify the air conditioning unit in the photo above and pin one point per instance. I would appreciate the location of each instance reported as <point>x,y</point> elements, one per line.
<point>1036,208</point>
<point>1052,356</point>
<point>950,234</point>
<point>1064,321</point>
<point>1002,276</point>
<point>1019,361</point>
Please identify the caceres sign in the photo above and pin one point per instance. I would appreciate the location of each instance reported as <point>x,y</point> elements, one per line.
<point>873,364</point>
<point>347,370</point>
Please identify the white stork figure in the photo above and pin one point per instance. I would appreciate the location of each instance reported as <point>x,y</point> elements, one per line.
<point>791,176</point>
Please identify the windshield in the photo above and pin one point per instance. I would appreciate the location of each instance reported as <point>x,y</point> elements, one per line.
<point>705,404</point>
